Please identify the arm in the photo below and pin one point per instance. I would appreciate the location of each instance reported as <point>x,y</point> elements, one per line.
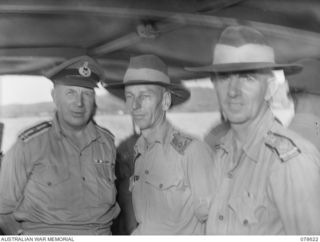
<point>127,217</point>
<point>200,176</point>
<point>9,225</point>
<point>1,134</point>
<point>126,220</point>
<point>295,187</point>
<point>13,178</point>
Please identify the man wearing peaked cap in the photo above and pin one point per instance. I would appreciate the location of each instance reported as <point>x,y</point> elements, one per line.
<point>171,184</point>
<point>82,71</point>
<point>267,176</point>
<point>58,178</point>
<point>305,90</point>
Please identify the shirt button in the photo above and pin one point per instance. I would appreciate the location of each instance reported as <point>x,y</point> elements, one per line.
<point>221,217</point>
<point>230,175</point>
<point>83,178</point>
<point>146,172</point>
<point>160,185</point>
<point>49,184</point>
<point>245,222</point>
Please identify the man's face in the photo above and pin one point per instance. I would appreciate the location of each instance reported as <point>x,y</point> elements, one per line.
<point>75,105</point>
<point>242,95</point>
<point>146,105</point>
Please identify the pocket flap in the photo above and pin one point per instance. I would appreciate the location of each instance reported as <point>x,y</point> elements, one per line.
<point>163,183</point>
<point>245,207</point>
<point>50,175</point>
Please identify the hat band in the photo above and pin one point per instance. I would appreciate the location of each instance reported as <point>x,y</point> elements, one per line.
<point>75,72</point>
<point>76,81</point>
<point>225,54</point>
<point>145,74</point>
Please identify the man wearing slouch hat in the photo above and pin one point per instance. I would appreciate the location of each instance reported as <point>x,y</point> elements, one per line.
<point>267,177</point>
<point>171,184</point>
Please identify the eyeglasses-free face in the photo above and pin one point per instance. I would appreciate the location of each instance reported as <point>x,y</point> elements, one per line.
<point>242,95</point>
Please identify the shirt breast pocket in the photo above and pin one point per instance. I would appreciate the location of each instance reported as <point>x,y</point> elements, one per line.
<point>247,207</point>
<point>50,175</point>
<point>106,181</point>
<point>106,171</point>
<point>171,195</point>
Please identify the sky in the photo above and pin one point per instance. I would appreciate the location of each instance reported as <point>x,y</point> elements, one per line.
<point>24,89</point>
<point>15,89</point>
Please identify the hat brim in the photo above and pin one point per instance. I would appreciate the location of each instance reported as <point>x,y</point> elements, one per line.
<point>179,94</point>
<point>288,69</point>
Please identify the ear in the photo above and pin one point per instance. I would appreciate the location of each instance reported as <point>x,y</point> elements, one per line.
<point>270,89</point>
<point>53,94</point>
<point>276,80</point>
<point>166,100</point>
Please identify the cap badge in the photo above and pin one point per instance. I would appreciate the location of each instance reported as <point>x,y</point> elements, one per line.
<point>85,70</point>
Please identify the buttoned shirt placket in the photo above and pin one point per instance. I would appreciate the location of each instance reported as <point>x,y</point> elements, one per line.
<point>143,165</point>
<point>83,156</point>
<point>230,186</point>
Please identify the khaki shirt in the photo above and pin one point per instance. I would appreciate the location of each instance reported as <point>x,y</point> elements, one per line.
<point>215,134</point>
<point>273,188</point>
<point>52,187</point>
<point>171,186</point>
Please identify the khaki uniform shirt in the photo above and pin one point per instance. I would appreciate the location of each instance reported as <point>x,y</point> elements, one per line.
<point>273,188</point>
<point>52,187</point>
<point>171,186</point>
<point>214,136</point>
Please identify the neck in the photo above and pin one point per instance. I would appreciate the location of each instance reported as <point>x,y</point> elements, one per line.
<point>76,135</point>
<point>242,131</point>
<point>149,134</point>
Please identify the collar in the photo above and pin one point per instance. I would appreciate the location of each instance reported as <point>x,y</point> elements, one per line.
<point>255,139</point>
<point>161,135</point>
<point>90,133</point>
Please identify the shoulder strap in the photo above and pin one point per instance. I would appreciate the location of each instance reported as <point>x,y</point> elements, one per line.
<point>180,142</point>
<point>282,145</point>
<point>35,131</point>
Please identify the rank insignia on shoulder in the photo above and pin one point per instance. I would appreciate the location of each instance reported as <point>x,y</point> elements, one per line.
<point>222,147</point>
<point>283,146</point>
<point>180,142</point>
<point>34,131</point>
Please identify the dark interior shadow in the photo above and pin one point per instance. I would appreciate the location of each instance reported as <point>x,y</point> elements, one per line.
<point>126,221</point>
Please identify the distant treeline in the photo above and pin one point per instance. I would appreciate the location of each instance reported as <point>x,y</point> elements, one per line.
<point>202,100</point>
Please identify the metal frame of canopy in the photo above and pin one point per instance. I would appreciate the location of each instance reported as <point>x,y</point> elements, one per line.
<point>37,34</point>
